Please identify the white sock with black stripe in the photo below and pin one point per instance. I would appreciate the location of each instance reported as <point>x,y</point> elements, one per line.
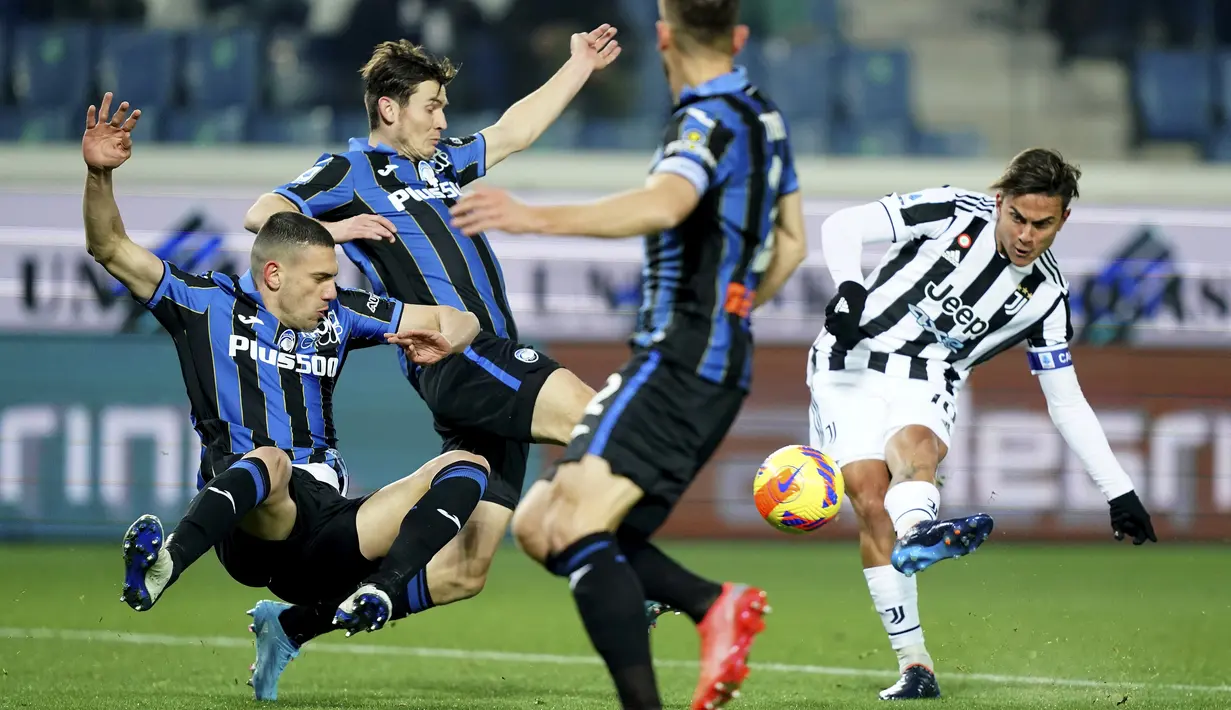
<point>911,502</point>
<point>896,598</point>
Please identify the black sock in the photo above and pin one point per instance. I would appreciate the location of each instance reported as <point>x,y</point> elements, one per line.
<point>666,580</point>
<point>435,520</point>
<point>216,510</point>
<point>612,607</point>
<point>302,623</point>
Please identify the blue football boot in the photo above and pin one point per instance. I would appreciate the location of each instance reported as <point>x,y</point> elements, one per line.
<point>273,649</point>
<point>147,564</point>
<point>916,683</point>
<point>931,541</point>
<point>366,610</point>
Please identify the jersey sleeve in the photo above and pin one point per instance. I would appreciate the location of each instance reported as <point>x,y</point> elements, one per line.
<point>695,147</point>
<point>326,186</point>
<point>921,215</point>
<point>790,180</point>
<point>182,290</point>
<point>465,157</point>
<point>366,317</point>
<point>1047,343</point>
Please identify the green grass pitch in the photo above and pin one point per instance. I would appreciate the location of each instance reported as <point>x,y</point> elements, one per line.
<point>1010,627</point>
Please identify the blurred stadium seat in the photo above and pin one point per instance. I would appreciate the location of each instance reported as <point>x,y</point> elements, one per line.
<point>224,68</point>
<point>206,125</point>
<point>141,67</point>
<point>873,138</point>
<point>306,127</point>
<point>38,125</point>
<point>51,65</point>
<point>1173,94</point>
<point>874,84</point>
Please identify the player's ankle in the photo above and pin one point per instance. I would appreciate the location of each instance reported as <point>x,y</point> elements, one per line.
<point>913,655</point>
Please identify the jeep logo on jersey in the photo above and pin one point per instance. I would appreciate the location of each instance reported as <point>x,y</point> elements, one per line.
<point>962,314</point>
<point>318,365</point>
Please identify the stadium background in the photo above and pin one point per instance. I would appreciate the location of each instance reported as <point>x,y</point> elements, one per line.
<point>882,96</point>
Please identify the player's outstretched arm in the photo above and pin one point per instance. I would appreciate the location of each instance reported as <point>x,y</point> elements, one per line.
<point>105,146</point>
<point>523,123</point>
<point>665,202</point>
<point>787,249</point>
<point>429,333</point>
<point>1080,427</point>
<point>266,206</point>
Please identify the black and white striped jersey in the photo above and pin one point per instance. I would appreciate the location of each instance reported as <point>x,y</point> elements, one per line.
<point>943,300</point>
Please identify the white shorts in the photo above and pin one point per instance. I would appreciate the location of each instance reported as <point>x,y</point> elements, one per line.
<point>854,413</point>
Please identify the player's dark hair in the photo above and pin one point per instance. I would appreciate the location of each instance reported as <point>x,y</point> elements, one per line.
<point>1040,171</point>
<point>395,70</point>
<point>285,233</point>
<point>708,23</point>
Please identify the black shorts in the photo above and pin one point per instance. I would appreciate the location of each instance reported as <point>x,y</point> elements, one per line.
<point>483,402</point>
<point>319,562</point>
<point>659,424</point>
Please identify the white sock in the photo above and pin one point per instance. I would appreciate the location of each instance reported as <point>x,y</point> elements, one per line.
<point>896,598</point>
<point>911,502</point>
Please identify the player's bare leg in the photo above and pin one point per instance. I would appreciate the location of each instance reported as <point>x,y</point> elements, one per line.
<point>567,524</point>
<point>560,405</point>
<point>253,495</point>
<point>459,571</point>
<point>404,526</point>
<point>282,629</point>
<point>894,595</point>
<point>913,502</point>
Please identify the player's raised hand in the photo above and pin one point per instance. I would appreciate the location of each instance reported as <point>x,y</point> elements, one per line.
<point>364,226</point>
<point>107,141</point>
<point>1130,519</point>
<point>486,208</point>
<point>423,347</point>
<point>598,47</point>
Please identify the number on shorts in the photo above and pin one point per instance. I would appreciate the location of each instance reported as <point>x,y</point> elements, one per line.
<point>598,404</point>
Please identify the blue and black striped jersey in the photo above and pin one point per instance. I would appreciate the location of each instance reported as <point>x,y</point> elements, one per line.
<point>252,381</point>
<point>700,278</point>
<point>430,263</point>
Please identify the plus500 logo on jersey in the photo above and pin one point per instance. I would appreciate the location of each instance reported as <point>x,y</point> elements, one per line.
<point>318,365</point>
<point>436,189</point>
<point>952,306</point>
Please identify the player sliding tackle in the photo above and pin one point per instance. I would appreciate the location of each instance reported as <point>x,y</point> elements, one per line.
<point>725,224</point>
<point>260,355</point>
<point>968,277</point>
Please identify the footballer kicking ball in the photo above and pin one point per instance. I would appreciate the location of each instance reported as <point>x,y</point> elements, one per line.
<point>798,489</point>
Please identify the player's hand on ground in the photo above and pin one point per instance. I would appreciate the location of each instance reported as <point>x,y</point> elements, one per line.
<point>107,141</point>
<point>844,311</point>
<point>422,347</point>
<point>598,47</point>
<point>485,209</point>
<point>364,226</point>
<point>1130,519</point>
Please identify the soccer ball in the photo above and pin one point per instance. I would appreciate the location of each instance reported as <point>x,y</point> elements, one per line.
<point>798,489</point>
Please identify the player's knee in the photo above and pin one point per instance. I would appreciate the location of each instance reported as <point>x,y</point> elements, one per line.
<point>530,533</point>
<point>277,465</point>
<point>453,458</point>
<point>914,454</point>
